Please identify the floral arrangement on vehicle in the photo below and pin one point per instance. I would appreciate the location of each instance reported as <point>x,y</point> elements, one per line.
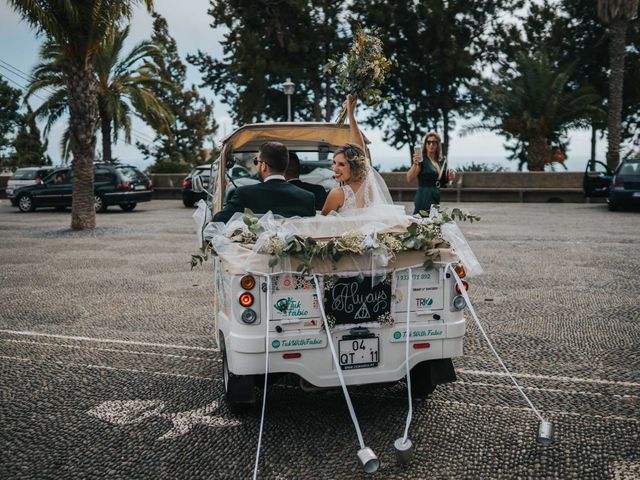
<point>422,234</point>
<point>362,71</point>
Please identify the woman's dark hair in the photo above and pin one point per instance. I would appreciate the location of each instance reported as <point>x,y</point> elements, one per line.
<point>276,155</point>
<point>424,145</point>
<point>356,159</point>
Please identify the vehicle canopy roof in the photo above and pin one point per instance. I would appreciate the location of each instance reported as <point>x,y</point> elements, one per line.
<point>296,135</point>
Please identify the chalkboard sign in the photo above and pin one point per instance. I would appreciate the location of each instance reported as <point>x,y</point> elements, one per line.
<point>355,300</point>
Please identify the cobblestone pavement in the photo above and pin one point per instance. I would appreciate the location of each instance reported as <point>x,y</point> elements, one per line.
<point>108,366</point>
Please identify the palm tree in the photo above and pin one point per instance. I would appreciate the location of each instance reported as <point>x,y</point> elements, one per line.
<point>617,13</point>
<point>534,105</point>
<point>79,28</point>
<point>123,85</point>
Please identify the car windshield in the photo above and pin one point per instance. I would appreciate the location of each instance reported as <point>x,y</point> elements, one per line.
<point>130,173</point>
<point>24,174</point>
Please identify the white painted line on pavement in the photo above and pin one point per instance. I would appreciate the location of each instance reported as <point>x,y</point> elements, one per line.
<point>550,377</point>
<point>105,367</point>
<point>527,410</point>
<point>549,390</point>
<point>108,340</point>
<point>117,350</point>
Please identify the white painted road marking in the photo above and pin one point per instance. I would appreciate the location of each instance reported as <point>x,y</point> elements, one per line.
<point>108,340</point>
<point>100,349</point>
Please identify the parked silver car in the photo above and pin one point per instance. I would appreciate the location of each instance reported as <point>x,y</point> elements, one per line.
<point>25,176</point>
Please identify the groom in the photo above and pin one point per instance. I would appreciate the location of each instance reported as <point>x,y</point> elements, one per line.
<point>274,193</point>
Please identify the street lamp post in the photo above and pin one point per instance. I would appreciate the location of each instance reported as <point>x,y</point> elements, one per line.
<point>288,87</point>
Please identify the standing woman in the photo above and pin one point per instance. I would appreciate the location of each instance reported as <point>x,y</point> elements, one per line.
<point>427,168</point>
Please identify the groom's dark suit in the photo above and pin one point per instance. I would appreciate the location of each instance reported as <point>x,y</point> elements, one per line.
<point>318,191</point>
<point>274,195</point>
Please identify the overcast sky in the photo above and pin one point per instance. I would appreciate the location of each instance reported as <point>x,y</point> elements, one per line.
<point>189,25</point>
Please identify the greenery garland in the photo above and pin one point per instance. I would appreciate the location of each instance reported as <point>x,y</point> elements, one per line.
<point>419,236</point>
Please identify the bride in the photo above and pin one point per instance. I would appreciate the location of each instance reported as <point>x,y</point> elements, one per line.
<point>360,185</point>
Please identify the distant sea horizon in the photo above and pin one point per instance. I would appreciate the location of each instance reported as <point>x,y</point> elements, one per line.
<point>389,162</point>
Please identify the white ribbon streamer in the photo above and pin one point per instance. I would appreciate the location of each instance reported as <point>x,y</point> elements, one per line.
<point>266,373</point>
<point>337,363</point>
<point>406,351</point>
<point>464,294</point>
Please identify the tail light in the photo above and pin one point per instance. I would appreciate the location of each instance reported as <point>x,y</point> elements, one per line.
<point>126,186</point>
<point>186,183</point>
<point>37,180</point>
<point>466,286</point>
<point>618,182</point>
<point>246,299</point>
<point>248,282</point>
<point>460,270</point>
<point>150,185</point>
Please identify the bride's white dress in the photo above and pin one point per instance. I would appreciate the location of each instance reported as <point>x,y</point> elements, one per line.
<point>349,199</point>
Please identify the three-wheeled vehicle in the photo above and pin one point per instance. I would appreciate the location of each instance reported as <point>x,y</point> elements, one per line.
<point>360,303</point>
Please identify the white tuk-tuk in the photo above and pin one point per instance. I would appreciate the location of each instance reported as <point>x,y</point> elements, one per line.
<point>341,299</point>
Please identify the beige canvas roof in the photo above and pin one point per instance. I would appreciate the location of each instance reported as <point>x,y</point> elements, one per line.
<point>295,132</point>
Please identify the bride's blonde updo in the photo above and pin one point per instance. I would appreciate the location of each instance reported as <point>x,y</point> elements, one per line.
<point>356,159</point>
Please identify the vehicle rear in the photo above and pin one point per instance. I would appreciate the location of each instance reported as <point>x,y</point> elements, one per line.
<point>367,323</point>
<point>189,196</point>
<point>625,185</point>
<point>122,185</point>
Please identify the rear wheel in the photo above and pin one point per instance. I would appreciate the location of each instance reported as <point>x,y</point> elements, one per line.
<point>421,386</point>
<point>188,203</point>
<point>127,207</point>
<point>238,389</point>
<point>426,376</point>
<point>99,204</point>
<point>25,203</point>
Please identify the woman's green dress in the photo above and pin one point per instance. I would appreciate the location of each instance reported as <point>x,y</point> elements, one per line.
<point>428,188</point>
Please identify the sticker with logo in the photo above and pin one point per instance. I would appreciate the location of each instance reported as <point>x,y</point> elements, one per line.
<point>298,343</point>
<point>420,334</point>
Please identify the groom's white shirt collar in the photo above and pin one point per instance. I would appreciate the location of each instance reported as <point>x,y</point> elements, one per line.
<point>274,177</point>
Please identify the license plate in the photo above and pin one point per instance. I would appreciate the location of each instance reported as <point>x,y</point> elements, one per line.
<point>140,187</point>
<point>358,352</point>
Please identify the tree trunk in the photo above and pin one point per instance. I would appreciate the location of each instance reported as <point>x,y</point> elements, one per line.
<point>83,123</point>
<point>536,153</point>
<point>618,28</point>
<point>445,133</point>
<point>105,129</point>
<point>593,148</point>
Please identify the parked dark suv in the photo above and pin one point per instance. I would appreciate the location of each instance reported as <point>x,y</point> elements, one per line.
<point>114,184</point>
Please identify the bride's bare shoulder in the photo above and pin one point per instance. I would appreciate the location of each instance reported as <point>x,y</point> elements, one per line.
<point>334,200</point>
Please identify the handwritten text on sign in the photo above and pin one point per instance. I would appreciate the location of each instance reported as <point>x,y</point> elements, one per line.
<point>355,300</point>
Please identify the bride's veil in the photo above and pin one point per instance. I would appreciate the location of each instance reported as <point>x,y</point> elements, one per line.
<point>373,191</point>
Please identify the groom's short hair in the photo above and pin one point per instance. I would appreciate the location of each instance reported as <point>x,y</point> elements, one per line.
<point>276,155</point>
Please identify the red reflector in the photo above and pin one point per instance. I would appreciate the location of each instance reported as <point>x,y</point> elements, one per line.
<point>421,345</point>
<point>466,286</point>
<point>288,356</point>
<point>246,299</point>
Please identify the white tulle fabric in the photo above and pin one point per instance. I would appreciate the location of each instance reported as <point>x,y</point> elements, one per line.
<point>373,192</point>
